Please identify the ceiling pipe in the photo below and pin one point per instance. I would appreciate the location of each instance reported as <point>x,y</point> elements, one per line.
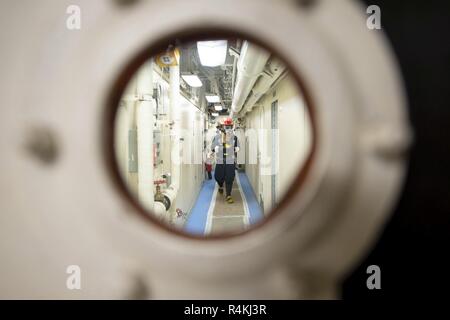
<point>251,64</point>
<point>274,71</point>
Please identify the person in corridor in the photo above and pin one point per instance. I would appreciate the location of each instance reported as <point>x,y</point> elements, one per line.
<point>208,165</point>
<point>225,146</point>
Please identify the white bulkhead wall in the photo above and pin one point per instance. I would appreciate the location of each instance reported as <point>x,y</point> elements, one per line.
<point>192,172</point>
<point>294,141</point>
<point>295,133</point>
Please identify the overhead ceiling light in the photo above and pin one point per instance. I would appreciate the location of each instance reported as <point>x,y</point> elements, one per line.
<point>213,99</point>
<point>192,80</point>
<point>218,107</point>
<point>212,53</point>
<point>215,114</point>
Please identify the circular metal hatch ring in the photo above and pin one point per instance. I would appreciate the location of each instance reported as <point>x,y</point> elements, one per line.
<point>353,183</point>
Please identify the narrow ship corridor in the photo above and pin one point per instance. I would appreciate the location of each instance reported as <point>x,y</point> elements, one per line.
<point>202,116</point>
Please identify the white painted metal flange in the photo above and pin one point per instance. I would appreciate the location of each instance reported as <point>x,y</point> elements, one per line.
<point>70,213</point>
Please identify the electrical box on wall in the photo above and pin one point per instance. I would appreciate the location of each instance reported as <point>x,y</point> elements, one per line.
<point>169,58</point>
<point>132,151</point>
<point>156,147</point>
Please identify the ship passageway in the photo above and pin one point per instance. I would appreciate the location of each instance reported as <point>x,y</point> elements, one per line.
<point>210,135</point>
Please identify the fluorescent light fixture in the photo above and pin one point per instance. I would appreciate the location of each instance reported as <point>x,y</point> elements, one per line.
<point>215,114</point>
<point>218,107</point>
<point>213,99</point>
<point>212,53</point>
<point>192,80</point>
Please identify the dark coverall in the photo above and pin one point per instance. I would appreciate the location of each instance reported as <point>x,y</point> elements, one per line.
<point>224,145</point>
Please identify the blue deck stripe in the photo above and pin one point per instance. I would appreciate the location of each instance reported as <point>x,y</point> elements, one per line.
<point>255,213</point>
<point>196,220</point>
